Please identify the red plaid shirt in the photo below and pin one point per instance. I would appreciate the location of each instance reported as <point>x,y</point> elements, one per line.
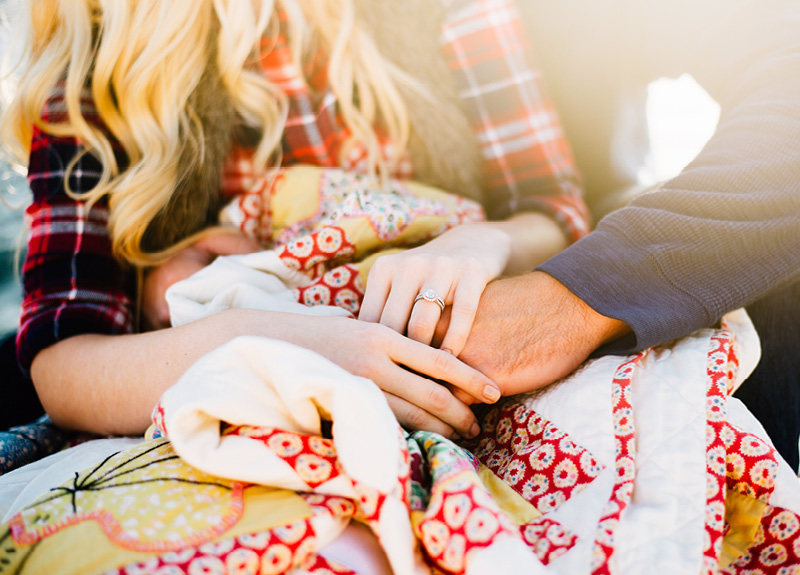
<point>74,285</point>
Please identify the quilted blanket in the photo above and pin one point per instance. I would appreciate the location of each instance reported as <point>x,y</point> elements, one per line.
<point>631,465</point>
<point>325,228</point>
<point>264,455</point>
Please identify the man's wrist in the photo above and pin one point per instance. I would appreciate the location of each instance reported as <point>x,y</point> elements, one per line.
<point>605,329</point>
<point>598,328</point>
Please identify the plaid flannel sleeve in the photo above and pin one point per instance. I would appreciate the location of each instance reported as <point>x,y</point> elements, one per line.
<point>72,283</point>
<point>528,164</point>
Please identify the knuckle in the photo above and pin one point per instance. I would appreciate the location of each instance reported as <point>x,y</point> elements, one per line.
<point>171,276</point>
<point>415,418</point>
<point>248,244</point>
<point>466,309</point>
<point>438,397</point>
<point>441,360</point>
<point>376,334</point>
<point>420,260</point>
<point>421,327</point>
<point>394,324</point>
<point>162,314</point>
<point>465,421</point>
<point>383,337</point>
<point>385,264</point>
<point>373,331</point>
<point>443,262</point>
<point>411,268</point>
<point>473,264</point>
<point>377,269</point>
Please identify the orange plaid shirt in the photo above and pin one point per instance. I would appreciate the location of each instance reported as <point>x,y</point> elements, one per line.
<point>528,165</point>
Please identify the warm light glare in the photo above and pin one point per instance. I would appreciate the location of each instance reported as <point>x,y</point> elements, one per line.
<point>681,118</point>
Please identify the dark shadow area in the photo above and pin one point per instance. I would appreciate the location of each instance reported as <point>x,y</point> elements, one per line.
<point>772,393</point>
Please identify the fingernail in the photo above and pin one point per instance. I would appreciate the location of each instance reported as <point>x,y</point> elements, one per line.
<point>444,349</point>
<point>455,437</point>
<point>474,430</point>
<point>491,393</point>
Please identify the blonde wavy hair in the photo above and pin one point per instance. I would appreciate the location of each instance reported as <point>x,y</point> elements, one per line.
<point>143,59</point>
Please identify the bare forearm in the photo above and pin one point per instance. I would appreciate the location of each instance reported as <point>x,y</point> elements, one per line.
<point>535,238</point>
<point>109,384</point>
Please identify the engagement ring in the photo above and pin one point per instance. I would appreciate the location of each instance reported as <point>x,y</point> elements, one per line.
<point>430,295</point>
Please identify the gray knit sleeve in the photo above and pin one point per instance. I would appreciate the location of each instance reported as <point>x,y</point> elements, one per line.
<point>727,230</point>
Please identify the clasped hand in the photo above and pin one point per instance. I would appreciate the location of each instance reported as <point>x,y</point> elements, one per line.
<point>455,266</point>
<point>404,369</point>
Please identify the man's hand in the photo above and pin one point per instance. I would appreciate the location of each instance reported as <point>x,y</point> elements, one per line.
<point>530,331</point>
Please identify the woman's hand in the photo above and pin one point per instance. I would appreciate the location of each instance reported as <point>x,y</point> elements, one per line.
<point>109,384</point>
<point>456,266</point>
<point>155,311</point>
<point>404,369</point>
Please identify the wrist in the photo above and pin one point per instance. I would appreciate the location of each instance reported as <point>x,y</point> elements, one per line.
<point>598,328</point>
<point>595,328</point>
<point>605,329</point>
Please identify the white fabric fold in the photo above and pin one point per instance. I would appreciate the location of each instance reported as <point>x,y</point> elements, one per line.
<point>268,383</point>
<point>256,281</point>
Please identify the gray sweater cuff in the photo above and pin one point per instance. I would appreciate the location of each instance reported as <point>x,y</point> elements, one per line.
<point>620,280</point>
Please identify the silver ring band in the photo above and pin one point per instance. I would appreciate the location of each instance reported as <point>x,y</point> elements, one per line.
<point>431,296</point>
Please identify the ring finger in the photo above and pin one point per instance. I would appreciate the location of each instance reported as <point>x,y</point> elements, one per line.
<point>427,309</point>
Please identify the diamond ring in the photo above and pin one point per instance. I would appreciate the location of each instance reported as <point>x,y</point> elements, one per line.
<point>431,296</point>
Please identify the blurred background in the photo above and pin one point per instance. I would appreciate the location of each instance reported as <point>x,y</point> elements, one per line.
<point>14,196</point>
<point>681,118</point>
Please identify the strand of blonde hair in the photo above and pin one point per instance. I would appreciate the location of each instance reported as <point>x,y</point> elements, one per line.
<point>144,58</point>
